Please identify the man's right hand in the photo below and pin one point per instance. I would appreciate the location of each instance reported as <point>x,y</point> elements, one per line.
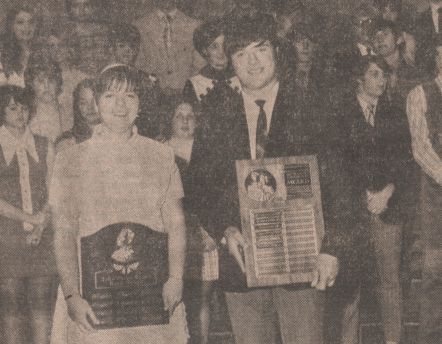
<point>235,244</point>
<point>81,312</point>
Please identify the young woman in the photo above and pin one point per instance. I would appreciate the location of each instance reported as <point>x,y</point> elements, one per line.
<point>202,254</point>
<point>117,176</point>
<point>44,82</point>
<point>86,116</point>
<point>17,44</point>
<point>27,270</point>
<point>208,40</point>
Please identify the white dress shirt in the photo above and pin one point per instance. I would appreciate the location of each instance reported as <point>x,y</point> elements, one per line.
<point>21,147</point>
<point>367,108</point>
<point>423,150</point>
<point>435,15</point>
<point>252,112</point>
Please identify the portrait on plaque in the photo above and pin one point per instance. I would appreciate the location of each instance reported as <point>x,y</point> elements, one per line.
<point>281,217</point>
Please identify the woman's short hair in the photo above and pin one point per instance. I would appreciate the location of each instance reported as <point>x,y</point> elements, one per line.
<point>206,33</point>
<point>41,64</point>
<point>8,92</point>
<point>119,75</point>
<point>247,29</point>
<point>364,63</point>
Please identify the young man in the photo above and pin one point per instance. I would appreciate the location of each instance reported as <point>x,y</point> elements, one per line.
<point>260,118</point>
<point>402,77</point>
<point>425,116</point>
<point>376,140</point>
<point>166,46</point>
<point>125,43</point>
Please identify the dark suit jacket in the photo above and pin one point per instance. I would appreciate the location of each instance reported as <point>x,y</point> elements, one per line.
<point>223,138</point>
<point>424,33</point>
<point>377,155</point>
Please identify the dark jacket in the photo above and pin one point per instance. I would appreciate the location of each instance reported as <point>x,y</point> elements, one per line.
<point>224,138</point>
<point>424,33</point>
<point>377,155</point>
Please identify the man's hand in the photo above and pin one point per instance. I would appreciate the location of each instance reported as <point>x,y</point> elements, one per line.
<point>80,312</point>
<point>377,202</point>
<point>172,293</point>
<point>327,268</point>
<point>236,243</point>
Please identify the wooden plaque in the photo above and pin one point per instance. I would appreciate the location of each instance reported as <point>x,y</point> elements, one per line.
<point>123,268</point>
<point>281,217</point>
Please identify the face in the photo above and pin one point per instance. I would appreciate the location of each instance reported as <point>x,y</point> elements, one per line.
<point>216,56</point>
<point>184,121</point>
<point>88,107</point>
<point>390,13</point>
<point>361,27</point>
<point>255,65</point>
<point>81,9</point>
<point>124,53</point>
<point>439,59</point>
<point>305,49</point>
<point>384,42</point>
<point>45,89</point>
<point>286,22</point>
<point>374,81</point>
<point>24,26</point>
<point>57,49</point>
<point>16,115</point>
<point>118,107</point>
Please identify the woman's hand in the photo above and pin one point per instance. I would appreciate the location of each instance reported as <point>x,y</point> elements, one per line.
<point>81,313</point>
<point>377,202</point>
<point>34,237</point>
<point>172,293</point>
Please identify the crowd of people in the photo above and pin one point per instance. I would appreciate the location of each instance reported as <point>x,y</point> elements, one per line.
<point>142,122</point>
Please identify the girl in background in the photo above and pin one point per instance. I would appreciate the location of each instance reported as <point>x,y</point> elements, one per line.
<point>27,270</point>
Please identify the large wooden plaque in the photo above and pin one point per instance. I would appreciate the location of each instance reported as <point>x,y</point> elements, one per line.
<point>281,217</point>
<point>123,268</point>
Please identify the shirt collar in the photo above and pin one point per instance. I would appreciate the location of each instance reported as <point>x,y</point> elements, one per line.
<point>101,132</point>
<point>365,104</point>
<point>172,13</point>
<point>10,144</point>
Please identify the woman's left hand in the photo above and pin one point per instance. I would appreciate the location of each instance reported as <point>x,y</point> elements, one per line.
<point>172,293</point>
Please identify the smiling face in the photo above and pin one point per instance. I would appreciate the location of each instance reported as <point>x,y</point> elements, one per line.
<point>88,106</point>
<point>24,26</point>
<point>184,121</point>
<point>216,56</point>
<point>118,107</point>
<point>255,65</point>
<point>45,88</point>
<point>373,82</point>
<point>384,42</point>
<point>16,115</point>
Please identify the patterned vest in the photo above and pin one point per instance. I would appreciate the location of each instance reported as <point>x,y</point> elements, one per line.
<point>434,114</point>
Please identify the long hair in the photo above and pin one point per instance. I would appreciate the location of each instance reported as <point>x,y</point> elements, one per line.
<point>81,129</point>
<point>11,57</point>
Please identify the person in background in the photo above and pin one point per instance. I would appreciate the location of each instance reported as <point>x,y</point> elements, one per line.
<point>402,76</point>
<point>127,178</point>
<point>18,42</point>
<point>86,116</point>
<point>391,10</point>
<point>427,27</point>
<point>259,120</point>
<point>201,270</point>
<point>28,277</point>
<point>125,43</point>
<point>44,82</point>
<point>166,46</point>
<point>424,106</point>
<point>57,49</point>
<point>80,10</point>
<point>376,143</point>
<point>208,40</point>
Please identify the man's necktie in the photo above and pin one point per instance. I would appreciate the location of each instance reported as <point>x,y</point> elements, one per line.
<point>261,130</point>
<point>370,115</point>
<point>167,32</point>
<point>439,13</point>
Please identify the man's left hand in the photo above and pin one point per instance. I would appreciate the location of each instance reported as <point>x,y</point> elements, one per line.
<point>327,268</point>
